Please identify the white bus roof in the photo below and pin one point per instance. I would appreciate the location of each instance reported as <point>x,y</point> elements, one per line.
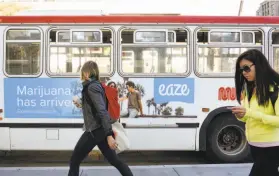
<point>59,12</point>
<point>106,7</point>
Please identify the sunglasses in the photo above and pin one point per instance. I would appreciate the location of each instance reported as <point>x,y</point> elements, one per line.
<point>246,68</point>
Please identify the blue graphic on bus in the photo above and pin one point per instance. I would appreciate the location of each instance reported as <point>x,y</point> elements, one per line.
<point>174,89</point>
<point>41,97</point>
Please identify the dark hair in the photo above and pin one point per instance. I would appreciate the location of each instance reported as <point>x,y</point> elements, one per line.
<point>264,78</point>
<point>111,83</point>
<point>92,68</point>
<point>130,84</point>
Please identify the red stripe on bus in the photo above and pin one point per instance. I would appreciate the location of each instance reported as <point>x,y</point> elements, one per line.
<point>141,19</point>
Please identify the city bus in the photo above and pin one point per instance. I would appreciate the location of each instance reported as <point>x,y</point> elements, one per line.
<point>183,67</point>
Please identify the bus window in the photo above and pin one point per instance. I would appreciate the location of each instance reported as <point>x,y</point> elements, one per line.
<point>248,37</point>
<point>216,52</point>
<point>79,36</point>
<point>68,53</point>
<point>63,36</point>
<point>276,59</point>
<point>275,48</point>
<point>128,59</point>
<point>227,37</point>
<point>150,36</point>
<point>205,36</point>
<point>154,52</point>
<point>23,52</point>
<point>171,36</point>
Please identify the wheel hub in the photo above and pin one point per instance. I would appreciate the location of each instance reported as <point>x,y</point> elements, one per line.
<point>227,138</point>
<point>231,140</point>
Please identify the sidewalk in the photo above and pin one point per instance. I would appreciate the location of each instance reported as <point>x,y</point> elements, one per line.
<point>164,170</point>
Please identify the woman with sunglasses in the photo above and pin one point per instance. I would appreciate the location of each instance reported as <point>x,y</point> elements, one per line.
<point>255,81</point>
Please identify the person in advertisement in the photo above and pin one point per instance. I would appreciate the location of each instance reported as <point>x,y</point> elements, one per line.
<point>112,84</point>
<point>97,124</point>
<point>257,92</point>
<point>134,101</point>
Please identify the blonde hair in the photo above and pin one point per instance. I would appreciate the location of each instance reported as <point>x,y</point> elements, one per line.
<point>91,69</point>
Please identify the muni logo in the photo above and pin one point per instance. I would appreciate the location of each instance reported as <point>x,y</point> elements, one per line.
<point>174,89</point>
<point>226,93</point>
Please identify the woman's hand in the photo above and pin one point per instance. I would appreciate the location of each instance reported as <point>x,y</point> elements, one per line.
<point>112,143</point>
<point>238,111</point>
<point>77,104</point>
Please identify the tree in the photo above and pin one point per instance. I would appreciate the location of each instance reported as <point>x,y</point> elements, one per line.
<point>154,104</point>
<point>122,91</point>
<point>179,111</point>
<point>148,103</point>
<point>10,9</point>
<point>158,108</point>
<point>161,107</point>
<point>167,111</point>
<point>141,89</point>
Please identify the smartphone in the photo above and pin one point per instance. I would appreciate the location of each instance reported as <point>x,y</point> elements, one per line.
<point>76,99</point>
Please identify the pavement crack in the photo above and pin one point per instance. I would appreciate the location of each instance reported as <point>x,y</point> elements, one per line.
<point>176,171</point>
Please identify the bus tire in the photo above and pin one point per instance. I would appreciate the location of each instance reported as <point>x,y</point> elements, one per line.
<point>226,141</point>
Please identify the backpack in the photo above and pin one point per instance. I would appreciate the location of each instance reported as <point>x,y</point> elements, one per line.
<point>113,105</point>
<point>112,101</point>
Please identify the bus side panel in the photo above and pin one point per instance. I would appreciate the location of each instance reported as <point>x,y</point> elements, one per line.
<point>162,139</point>
<point>44,139</point>
<point>48,100</point>
<point>4,131</point>
<point>5,139</point>
<point>65,139</point>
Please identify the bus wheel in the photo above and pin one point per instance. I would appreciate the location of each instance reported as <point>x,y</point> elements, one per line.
<point>226,141</point>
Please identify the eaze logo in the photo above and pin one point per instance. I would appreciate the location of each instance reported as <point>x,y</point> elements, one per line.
<point>174,89</point>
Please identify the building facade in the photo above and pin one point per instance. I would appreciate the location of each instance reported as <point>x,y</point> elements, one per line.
<point>268,8</point>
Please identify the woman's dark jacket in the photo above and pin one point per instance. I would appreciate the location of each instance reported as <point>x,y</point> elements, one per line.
<point>94,107</point>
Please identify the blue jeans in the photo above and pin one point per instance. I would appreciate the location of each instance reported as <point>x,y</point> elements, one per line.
<point>131,113</point>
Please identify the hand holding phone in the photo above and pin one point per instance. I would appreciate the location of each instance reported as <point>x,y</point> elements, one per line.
<point>77,101</point>
<point>76,98</point>
<point>238,111</point>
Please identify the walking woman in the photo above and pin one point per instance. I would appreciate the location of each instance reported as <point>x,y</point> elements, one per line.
<point>256,86</point>
<point>97,124</point>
